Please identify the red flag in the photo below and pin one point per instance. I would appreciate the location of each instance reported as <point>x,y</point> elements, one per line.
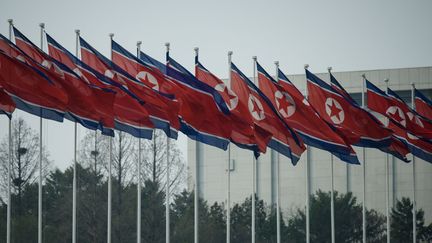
<point>165,119</point>
<point>392,106</point>
<point>130,115</point>
<point>244,131</point>
<point>300,115</point>
<point>423,104</point>
<point>7,106</point>
<point>356,124</point>
<point>284,139</point>
<point>87,104</point>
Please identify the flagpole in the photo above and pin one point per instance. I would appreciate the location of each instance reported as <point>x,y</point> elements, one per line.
<point>111,35</point>
<point>364,169</point>
<point>198,161</point>
<point>42,26</point>
<point>74,182</point>
<point>332,191</point>
<point>254,170</point>
<point>167,198</point>
<point>9,202</point>
<point>414,176</point>
<point>139,171</point>
<point>274,153</point>
<point>228,206</point>
<point>387,185</point>
<point>308,155</point>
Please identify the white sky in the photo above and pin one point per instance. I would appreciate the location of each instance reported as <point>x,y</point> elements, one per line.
<point>348,35</point>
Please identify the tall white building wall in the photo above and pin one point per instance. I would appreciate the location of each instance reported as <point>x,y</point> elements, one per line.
<point>212,182</point>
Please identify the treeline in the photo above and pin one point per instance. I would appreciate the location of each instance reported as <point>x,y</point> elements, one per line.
<point>92,216</point>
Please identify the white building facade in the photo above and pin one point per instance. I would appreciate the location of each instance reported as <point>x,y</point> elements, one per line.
<point>212,170</point>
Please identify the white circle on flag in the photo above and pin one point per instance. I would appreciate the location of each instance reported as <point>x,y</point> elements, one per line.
<point>334,110</point>
<point>48,65</point>
<point>148,77</point>
<point>78,72</point>
<point>416,119</point>
<point>285,104</point>
<point>397,114</point>
<point>109,73</point>
<point>256,108</point>
<point>233,99</point>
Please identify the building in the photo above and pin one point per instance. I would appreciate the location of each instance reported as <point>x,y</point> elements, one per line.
<point>212,182</point>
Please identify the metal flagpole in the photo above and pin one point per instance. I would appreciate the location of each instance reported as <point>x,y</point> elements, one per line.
<point>42,26</point>
<point>139,172</point>
<point>111,35</point>
<point>9,202</point>
<point>228,206</point>
<point>274,153</point>
<point>74,183</point>
<point>332,191</point>
<point>387,186</point>
<point>364,169</point>
<point>198,161</point>
<point>167,203</point>
<point>308,155</point>
<point>254,170</point>
<point>414,177</point>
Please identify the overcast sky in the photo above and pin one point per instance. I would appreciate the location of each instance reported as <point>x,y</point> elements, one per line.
<point>348,35</point>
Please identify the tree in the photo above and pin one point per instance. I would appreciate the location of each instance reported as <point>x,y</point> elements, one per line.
<point>402,222</point>
<point>25,160</point>
<point>348,220</point>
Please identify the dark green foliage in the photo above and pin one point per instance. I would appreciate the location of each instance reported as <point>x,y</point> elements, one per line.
<point>402,223</point>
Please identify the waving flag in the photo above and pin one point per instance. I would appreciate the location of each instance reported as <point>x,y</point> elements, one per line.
<point>129,115</point>
<point>396,147</point>
<point>28,85</point>
<point>165,119</point>
<point>355,124</point>
<point>393,107</point>
<point>298,114</point>
<point>245,133</point>
<point>207,118</point>
<point>7,106</point>
<point>84,100</point>
<point>423,105</point>
<point>284,140</point>
<point>419,147</point>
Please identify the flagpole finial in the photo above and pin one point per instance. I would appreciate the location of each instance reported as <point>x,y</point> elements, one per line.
<point>10,21</point>
<point>412,84</point>
<point>386,80</point>
<point>230,53</point>
<point>329,69</point>
<point>364,75</point>
<point>254,58</point>
<point>42,25</point>
<point>276,63</point>
<point>139,43</point>
<point>167,44</point>
<point>77,31</point>
<point>306,66</point>
<point>111,35</point>
<point>196,49</point>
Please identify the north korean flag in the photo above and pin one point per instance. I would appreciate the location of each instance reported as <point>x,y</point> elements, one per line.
<point>393,107</point>
<point>7,105</point>
<point>298,114</point>
<point>419,147</point>
<point>284,140</point>
<point>129,115</point>
<point>355,124</point>
<point>84,100</point>
<point>245,133</point>
<point>167,120</point>
<point>423,105</point>
<point>207,118</point>
<point>28,85</point>
<point>396,147</point>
